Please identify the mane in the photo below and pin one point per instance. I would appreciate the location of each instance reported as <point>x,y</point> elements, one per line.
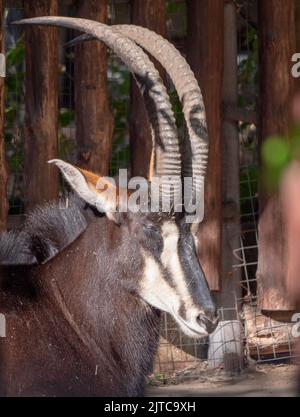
<point>47,230</point>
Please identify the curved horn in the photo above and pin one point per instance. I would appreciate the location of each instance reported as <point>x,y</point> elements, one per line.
<point>188,90</point>
<point>189,93</point>
<point>161,117</point>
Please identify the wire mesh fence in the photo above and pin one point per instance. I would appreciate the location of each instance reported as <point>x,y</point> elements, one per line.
<point>14,109</point>
<point>266,338</point>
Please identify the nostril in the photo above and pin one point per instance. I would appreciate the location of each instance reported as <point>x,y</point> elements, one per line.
<point>212,315</point>
<point>209,320</point>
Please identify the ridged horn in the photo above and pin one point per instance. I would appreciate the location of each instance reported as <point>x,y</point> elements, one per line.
<point>189,92</point>
<point>161,116</point>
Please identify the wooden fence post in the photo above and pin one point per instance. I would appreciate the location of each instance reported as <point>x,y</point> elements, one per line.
<point>277,45</point>
<point>205,55</point>
<point>3,170</point>
<point>41,106</point>
<point>297,26</point>
<point>94,119</point>
<point>231,233</point>
<point>152,15</point>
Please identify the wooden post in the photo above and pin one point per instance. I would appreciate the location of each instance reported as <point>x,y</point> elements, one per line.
<point>152,15</point>
<point>94,119</point>
<point>3,170</point>
<point>231,167</point>
<point>41,106</point>
<point>205,55</point>
<point>297,26</point>
<point>277,45</point>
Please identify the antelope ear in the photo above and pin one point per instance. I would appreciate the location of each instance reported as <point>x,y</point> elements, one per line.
<point>93,189</point>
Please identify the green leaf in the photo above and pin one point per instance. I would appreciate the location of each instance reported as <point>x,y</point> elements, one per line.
<point>276,152</point>
<point>66,117</point>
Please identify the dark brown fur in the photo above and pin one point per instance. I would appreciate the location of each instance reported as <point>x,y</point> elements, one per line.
<point>74,326</point>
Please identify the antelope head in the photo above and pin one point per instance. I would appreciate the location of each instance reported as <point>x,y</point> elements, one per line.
<point>168,275</point>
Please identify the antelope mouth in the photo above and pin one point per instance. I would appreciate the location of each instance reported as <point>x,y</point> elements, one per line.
<point>193,330</point>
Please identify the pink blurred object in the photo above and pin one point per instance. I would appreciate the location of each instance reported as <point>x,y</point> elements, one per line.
<point>290,189</point>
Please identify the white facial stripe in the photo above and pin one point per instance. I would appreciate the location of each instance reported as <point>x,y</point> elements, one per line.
<point>170,260</point>
<point>155,289</point>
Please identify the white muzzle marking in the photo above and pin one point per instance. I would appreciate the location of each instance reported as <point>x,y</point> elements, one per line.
<point>158,292</point>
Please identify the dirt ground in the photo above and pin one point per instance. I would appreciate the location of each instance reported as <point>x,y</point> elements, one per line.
<point>258,381</point>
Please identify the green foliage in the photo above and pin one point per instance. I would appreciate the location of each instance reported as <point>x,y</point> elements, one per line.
<point>14,82</point>
<point>247,98</point>
<point>15,55</point>
<point>275,157</point>
<point>248,188</point>
<point>277,153</point>
<point>14,98</point>
<point>248,71</point>
<point>175,7</point>
<point>177,108</point>
<point>177,16</point>
<point>14,89</point>
<point>66,117</point>
<point>14,95</point>
<point>159,379</point>
<point>249,180</point>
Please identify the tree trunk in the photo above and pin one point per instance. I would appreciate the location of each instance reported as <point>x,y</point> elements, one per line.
<point>94,119</point>
<point>152,15</point>
<point>205,55</point>
<point>277,45</point>
<point>41,106</point>
<point>3,170</point>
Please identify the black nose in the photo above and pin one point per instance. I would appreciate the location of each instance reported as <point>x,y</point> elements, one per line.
<point>209,319</point>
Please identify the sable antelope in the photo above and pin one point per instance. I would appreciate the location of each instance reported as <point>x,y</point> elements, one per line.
<point>82,289</point>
